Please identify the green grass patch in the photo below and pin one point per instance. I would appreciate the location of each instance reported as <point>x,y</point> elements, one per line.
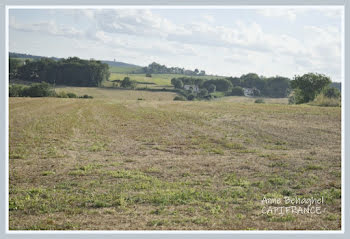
<point>232,180</point>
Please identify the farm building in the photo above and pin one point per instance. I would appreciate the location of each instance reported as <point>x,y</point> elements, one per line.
<point>193,88</point>
<point>251,92</point>
<point>248,91</point>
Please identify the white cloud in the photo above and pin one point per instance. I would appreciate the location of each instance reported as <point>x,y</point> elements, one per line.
<point>143,34</point>
<point>49,27</point>
<point>208,18</point>
<point>289,14</point>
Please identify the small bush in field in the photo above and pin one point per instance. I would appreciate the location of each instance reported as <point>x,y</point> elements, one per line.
<point>71,95</point>
<point>180,98</point>
<point>259,101</point>
<point>61,94</point>
<point>86,97</point>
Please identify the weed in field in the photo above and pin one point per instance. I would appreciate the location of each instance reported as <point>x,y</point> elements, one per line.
<point>277,181</point>
<point>240,216</point>
<point>47,173</point>
<point>331,217</point>
<point>278,164</point>
<point>234,181</point>
<point>216,151</point>
<point>97,147</point>
<point>330,195</point>
<point>309,158</point>
<point>313,167</point>
<point>270,156</point>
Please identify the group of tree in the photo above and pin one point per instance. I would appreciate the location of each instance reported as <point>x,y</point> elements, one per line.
<point>155,68</point>
<point>71,71</point>
<point>308,87</point>
<point>301,89</point>
<point>128,83</point>
<point>42,89</point>
<point>277,87</point>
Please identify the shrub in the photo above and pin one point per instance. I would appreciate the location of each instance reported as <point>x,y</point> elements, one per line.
<point>202,93</point>
<point>127,83</point>
<point>331,92</point>
<point>208,97</point>
<point>180,98</point>
<point>211,88</point>
<point>86,97</point>
<point>238,91</point>
<point>148,75</point>
<point>71,95</point>
<point>177,83</point>
<point>62,94</point>
<point>296,97</point>
<point>16,91</point>
<point>191,97</point>
<point>256,92</point>
<point>39,90</point>
<point>291,99</point>
<point>323,100</point>
<point>259,101</point>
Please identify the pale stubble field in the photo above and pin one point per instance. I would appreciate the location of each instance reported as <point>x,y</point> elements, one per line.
<point>118,163</point>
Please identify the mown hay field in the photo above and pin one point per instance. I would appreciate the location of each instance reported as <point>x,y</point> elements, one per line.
<point>118,163</point>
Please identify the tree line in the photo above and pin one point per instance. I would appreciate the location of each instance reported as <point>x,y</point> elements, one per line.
<point>301,89</point>
<point>277,86</point>
<point>42,89</point>
<point>155,68</point>
<point>71,71</point>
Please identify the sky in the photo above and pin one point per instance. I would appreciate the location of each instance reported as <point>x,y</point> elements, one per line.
<point>269,41</point>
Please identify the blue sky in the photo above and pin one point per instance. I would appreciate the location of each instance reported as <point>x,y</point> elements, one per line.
<point>269,41</point>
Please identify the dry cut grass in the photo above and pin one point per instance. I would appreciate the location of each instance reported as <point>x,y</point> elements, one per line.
<point>116,163</point>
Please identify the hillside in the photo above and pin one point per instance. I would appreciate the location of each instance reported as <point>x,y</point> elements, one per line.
<point>110,63</point>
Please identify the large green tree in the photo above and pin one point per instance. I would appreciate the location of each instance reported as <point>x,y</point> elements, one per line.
<point>252,80</point>
<point>277,87</point>
<point>220,84</point>
<point>177,83</point>
<point>308,86</point>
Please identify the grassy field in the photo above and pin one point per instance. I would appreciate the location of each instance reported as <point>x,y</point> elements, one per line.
<point>158,80</point>
<point>123,69</point>
<point>115,162</point>
<point>117,95</point>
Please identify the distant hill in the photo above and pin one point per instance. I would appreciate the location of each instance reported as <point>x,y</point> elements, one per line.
<point>28,56</point>
<point>121,64</point>
<point>110,63</point>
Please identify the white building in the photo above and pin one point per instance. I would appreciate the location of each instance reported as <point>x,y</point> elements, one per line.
<point>248,92</point>
<point>193,88</point>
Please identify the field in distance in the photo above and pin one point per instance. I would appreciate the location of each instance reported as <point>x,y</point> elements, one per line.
<point>116,162</point>
<point>156,81</point>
